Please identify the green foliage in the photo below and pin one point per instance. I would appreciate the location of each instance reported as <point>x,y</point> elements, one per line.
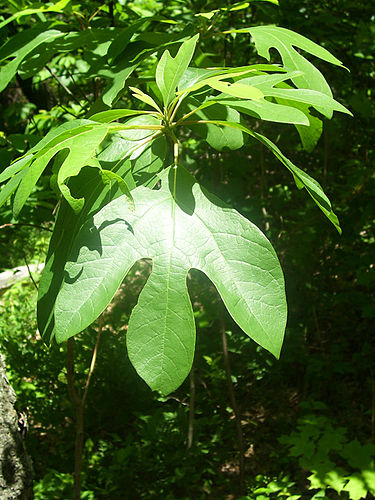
<point>285,41</point>
<point>55,485</point>
<point>179,228</point>
<point>169,70</point>
<point>97,63</point>
<point>333,461</point>
<point>77,287</point>
<point>280,487</point>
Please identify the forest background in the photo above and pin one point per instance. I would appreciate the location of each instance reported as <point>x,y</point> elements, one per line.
<point>299,427</point>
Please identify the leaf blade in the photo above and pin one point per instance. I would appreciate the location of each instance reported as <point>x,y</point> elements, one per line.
<point>168,226</point>
<point>169,71</point>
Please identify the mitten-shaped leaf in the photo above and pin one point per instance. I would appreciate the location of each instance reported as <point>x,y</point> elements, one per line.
<point>285,41</point>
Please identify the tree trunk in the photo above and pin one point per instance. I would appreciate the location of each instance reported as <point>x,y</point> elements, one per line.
<point>16,473</point>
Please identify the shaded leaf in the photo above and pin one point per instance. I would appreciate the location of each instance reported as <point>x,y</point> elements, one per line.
<point>24,162</point>
<point>89,185</point>
<point>132,142</point>
<point>121,41</point>
<point>109,175</point>
<point>15,167</point>
<point>220,138</point>
<point>234,7</point>
<point>7,190</point>
<point>57,7</point>
<point>81,142</point>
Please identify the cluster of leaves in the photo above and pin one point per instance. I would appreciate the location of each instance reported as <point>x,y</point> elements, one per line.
<point>329,350</point>
<point>279,487</point>
<point>179,226</point>
<point>334,461</point>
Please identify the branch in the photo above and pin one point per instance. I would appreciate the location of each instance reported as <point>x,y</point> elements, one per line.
<point>232,396</point>
<point>79,404</point>
<point>191,409</point>
<point>25,224</point>
<point>67,90</point>
<point>28,270</point>
<point>74,397</point>
<point>92,366</point>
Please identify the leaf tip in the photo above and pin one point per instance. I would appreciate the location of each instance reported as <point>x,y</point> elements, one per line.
<point>276,349</point>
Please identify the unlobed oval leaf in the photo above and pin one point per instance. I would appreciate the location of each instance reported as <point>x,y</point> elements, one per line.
<point>170,69</point>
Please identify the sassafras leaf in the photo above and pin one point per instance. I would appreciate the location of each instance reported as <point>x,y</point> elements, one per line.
<point>179,227</point>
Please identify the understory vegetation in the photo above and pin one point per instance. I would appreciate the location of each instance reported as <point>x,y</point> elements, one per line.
<point>243,425</point>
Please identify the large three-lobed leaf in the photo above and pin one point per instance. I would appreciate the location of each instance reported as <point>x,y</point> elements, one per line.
<point>180,226</point>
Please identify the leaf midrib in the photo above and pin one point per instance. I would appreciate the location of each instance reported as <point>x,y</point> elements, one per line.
<point>175,80</point>
<point>173,217</point>
<point>48,149</point>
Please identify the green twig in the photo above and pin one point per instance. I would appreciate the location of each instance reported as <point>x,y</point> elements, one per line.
<point>25,224</point>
